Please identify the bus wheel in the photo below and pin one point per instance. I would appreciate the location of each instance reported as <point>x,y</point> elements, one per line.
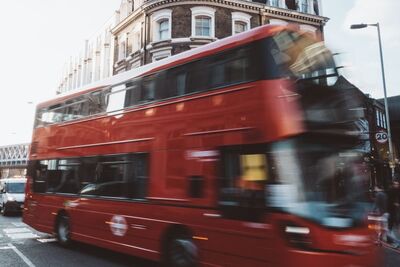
<point>181,252</point>
<point>63,230</point>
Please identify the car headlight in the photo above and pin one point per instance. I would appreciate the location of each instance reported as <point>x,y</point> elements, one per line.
<point>10,198</point>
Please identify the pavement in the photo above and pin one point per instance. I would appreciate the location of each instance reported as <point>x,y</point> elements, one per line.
<point>393,238</point>
<point>22,246</point>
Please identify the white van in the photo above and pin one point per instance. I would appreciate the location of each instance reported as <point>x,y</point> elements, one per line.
<point>12,195</point>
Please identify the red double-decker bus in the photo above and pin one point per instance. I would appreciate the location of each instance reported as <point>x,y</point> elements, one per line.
<point>237,153</point>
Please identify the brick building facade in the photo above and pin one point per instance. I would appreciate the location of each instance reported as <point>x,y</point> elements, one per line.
<point>144,31</point>
<point>373,148</point>
<point>157,29</point>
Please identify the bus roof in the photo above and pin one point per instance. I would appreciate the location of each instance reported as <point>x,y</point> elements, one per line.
<point>181,58</point>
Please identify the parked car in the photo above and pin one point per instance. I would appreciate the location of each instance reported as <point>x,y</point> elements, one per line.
<point>12,195</point>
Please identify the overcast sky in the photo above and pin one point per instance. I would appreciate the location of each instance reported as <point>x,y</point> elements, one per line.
<point>359,48</point>
<point>38,37</point>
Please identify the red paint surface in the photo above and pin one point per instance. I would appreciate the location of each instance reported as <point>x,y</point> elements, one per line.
<point>259,112</point>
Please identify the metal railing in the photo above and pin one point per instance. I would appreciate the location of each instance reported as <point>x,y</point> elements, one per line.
<point>14,155</point>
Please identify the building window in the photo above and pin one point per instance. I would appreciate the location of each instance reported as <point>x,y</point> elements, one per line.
<point>163,29</point>
<point>136,42</point>
<point>274,3</point>
<point>384,120</point>
<point>203,26</point>
<point>136,38</point>
<point>203,21</point>
<point>240,22</point>
<point>122,47</point>
<point>291,4</point>
<point>377,118</point>
<point>161,25</point>
<point>303,6</point>
<point>240,26</point>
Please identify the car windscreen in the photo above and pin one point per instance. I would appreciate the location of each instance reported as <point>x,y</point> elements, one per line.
<point>15,187</point>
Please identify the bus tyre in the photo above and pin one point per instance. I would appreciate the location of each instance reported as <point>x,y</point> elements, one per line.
<point>63,230</point>
<point>181,252</point>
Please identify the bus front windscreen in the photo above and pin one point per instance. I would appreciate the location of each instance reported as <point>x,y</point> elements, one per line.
<point>318,178</point>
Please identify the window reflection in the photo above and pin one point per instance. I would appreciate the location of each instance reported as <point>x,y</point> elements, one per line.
<point>123,176</point>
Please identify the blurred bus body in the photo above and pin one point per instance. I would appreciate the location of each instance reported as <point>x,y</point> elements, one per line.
<point>237,153</point>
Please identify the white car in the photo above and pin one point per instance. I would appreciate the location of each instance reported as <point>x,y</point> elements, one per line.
<point>12,195</point>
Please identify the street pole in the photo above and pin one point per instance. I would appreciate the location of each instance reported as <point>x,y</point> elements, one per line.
<point>391,154</point>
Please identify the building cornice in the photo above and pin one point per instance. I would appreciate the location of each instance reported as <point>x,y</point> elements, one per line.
<point>128,20</point>
<point>239,5</point>
<point>288,14</point>
<point>242,5</point>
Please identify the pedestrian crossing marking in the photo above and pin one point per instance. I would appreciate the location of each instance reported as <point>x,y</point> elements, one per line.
<point>22,236</point>
<point>19,233</point>
<point>16,230</point>
<point>18,224</point>
<point>46,240</point>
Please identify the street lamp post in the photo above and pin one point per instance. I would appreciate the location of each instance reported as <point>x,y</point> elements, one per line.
<point>391,155</point>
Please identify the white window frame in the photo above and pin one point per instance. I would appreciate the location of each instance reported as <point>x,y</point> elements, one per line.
<point>207,12</point>
<point>377,118</point>
<point>136,39</point>
<point>161,31</point>
<point>240,17</point>
<point>302,3</point>
<point>384,120</point>
<point>156,18</point>
<point>270,3</point>
<point>122,47</point>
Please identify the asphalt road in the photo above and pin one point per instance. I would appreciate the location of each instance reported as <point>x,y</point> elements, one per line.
<point>22,246</point>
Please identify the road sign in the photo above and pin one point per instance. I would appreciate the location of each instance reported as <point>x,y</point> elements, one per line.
<point>381,137</point>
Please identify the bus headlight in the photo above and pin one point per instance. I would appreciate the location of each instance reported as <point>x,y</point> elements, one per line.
<point>298,236</point>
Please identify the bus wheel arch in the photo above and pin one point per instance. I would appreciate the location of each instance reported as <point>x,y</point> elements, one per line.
<point>178,248</point>
<point>62,228</point>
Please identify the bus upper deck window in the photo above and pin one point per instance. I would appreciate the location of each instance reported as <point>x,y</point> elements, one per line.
<point>116,98</point>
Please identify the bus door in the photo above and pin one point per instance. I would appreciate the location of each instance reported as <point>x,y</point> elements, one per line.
<point>43,204</point>
<point>241,226</point>
<point>106,201</point>
<point>100,192</point>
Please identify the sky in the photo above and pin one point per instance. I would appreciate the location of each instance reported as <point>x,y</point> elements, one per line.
<point>359,49</point>
<point>39,36</point>
<point>37,39</point>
